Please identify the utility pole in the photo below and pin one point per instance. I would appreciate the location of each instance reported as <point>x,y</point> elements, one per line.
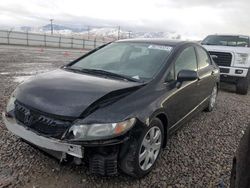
<point>51,26</point>
<point>88,31</point>
<point>119,30</point>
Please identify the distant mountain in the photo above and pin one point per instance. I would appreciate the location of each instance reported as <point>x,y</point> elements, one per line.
<point>61,27</point>
<point>99,32</point>
<point>26,28</point>
<point>113,32</point>
<point>168,35</point>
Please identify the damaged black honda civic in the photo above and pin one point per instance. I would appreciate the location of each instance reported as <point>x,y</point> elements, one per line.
<point>115,107</point>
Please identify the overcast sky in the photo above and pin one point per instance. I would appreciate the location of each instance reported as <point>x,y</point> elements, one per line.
<point>187,17</point>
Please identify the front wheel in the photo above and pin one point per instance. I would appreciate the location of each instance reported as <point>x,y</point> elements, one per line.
<point>242,86</point>
<point>143,151</point>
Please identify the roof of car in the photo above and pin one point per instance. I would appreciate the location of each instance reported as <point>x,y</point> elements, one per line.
<point>156,41</point>
<point>229,35</point>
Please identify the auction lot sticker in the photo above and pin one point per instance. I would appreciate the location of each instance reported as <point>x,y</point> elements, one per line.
<point>160,47</point>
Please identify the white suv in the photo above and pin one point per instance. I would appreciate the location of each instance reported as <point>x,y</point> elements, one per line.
<point>231,53</point>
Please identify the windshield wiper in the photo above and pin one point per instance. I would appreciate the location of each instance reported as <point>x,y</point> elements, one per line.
<point>109,74</point>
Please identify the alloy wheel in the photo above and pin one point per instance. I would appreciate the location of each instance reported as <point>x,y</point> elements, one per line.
<point>213,97</point>
<point>150,148</point>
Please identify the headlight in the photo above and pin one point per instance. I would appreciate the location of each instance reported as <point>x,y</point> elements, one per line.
<point>241,58</point>
<point>10,105</point>
<point>99,131</point>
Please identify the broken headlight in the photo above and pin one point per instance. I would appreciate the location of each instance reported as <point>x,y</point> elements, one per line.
<point>98,131</point>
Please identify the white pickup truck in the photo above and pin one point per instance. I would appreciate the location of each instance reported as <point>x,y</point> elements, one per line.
<point>232,54</point>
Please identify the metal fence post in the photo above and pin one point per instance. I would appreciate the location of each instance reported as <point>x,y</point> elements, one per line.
<point>72,42</point>
<point>60,41</point>
<point>8,35</point>
<point>83,43</point>
<point>95,43</point>
<point>27,37</point>
<point>45,40</point>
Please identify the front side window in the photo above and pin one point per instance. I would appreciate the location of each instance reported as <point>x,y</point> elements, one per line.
<point>140,61</point>
<point>186,60</point>
<point>204,59</point>
<point>171,75</point>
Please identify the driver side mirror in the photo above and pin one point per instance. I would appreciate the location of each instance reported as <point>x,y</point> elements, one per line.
<point>186,75</point>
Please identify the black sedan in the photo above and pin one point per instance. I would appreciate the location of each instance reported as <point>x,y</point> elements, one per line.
<point>116,106</point>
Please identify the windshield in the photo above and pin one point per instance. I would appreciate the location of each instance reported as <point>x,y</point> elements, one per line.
<point>242,41</point>
<point>139,61</point>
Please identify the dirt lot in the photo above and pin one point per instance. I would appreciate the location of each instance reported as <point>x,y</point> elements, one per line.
<point>198,155</point>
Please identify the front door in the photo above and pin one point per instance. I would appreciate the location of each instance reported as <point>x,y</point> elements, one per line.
<point>184,99</point>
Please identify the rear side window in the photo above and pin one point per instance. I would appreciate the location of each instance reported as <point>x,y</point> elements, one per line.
<point>186,60</point>
<point>203,57</point>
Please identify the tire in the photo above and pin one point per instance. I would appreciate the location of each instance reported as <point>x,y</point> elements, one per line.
<point>242,86</point>
<point>212,99</point>
<point>130,162</point>
<point>233,174</point>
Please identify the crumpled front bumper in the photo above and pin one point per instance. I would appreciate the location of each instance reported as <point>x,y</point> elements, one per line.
<point>41,141</point>
<point>101,155</point>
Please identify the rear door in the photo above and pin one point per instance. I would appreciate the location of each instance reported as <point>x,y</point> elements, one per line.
<point>205,72</point>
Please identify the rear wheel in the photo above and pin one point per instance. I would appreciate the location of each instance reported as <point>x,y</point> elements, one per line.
<point>242,86</point>
<point>212,99</point>
<point>143,152</point>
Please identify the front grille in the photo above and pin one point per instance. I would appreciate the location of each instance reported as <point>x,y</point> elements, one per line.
<point>40,123</point>
<point>222,58</point>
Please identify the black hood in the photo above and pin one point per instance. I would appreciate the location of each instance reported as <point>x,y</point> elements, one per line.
<point>65,93</point>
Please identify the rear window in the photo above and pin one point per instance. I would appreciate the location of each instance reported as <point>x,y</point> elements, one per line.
<point>242,41</point>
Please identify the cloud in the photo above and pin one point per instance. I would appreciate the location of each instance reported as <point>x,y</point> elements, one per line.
<point>188,17</point>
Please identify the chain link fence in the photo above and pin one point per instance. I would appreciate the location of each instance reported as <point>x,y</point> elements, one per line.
<point>46,40</point>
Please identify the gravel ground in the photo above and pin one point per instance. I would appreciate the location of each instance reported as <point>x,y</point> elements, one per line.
<point>198,155</point>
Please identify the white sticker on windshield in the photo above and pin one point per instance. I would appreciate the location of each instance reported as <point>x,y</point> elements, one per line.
<point>136,77</point>
<point>160,47</point>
